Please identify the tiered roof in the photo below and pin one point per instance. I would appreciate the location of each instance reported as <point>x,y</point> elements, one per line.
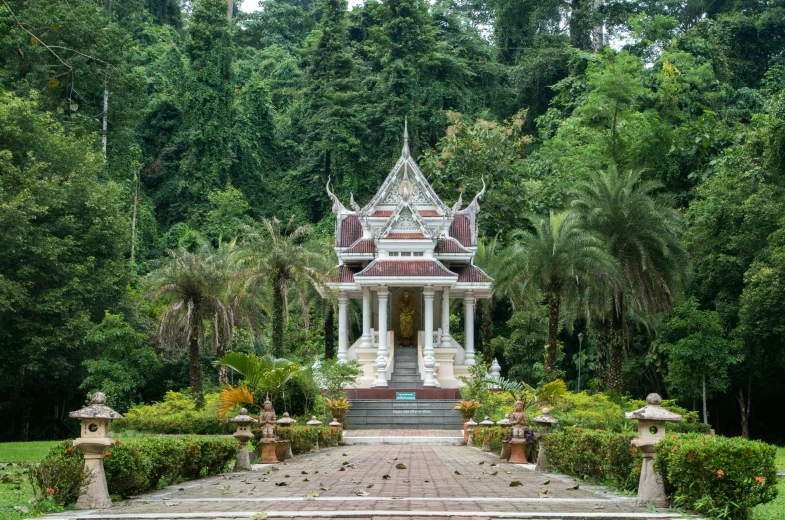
<point>406,232</point>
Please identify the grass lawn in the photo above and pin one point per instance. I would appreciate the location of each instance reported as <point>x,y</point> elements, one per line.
<point>774,510</point>
<point>15,490</point>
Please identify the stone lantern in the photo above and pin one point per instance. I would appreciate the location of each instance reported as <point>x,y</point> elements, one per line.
<point>93,442</point>
<point>651,429</point>
<point>486,443</point>
<point>243,435</point>
<point>337,426</point>
<point>470,424</point>
<point>544,424</point>
<point>315,422</point>
<point>286,422</point>
<point>505,454</point>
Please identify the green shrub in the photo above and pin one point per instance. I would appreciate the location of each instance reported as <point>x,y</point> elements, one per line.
<point>59,476</point>
<point>176,414</point>
<point>303,438</point>
<point>133,466</point>
<point>719,477</point>
<point>597,455</point>
<point>495,435</point>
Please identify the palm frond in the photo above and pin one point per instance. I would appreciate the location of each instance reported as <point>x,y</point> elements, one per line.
<point>231,396</point>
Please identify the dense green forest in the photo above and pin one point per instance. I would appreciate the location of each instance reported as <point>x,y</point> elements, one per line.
<point>144,143</point>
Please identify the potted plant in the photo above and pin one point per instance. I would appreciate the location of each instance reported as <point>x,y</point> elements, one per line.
<point>334,378</point>
<point>338,408</point>
<point>467,409</point>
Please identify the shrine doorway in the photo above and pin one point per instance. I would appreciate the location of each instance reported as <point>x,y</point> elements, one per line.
<point>415,297</point>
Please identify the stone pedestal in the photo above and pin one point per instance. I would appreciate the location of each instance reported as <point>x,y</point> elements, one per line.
<point>517,452</point>
<point>268,451</point>
<point>282,450</point>
<point>95,495</point>
<point>544,425</point>
<point>651,488</point>
<point>243,434</point>
<point>505,454</point>
<point>651,429</point>
<point>93,442</point>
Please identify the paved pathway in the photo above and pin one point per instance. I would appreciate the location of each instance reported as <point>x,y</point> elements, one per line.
<point>382,482</point>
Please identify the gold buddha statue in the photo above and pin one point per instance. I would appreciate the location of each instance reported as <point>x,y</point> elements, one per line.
<point>406,316</point>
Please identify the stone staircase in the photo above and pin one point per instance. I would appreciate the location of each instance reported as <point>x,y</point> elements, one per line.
<point>406,373</point>
<point>389,414</point>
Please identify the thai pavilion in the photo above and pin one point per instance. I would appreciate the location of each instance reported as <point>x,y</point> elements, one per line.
<point>406,254</point>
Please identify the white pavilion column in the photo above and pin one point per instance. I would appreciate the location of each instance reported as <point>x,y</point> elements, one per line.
<point>343,326</point>
<point>365,340</point>
<point>428,358</point>
<point>468,320</point>
<point>381,359</point>
<point>446,339</point>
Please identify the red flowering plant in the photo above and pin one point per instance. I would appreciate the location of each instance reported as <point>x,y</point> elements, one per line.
<point>717,476</point>
<point>59,476</point>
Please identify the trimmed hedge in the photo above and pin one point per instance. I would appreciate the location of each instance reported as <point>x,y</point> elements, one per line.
<point>303,438</point>
<point>719,477</point>
<point>596,455</point>
<point>177,414</point>
<point>134,466</point>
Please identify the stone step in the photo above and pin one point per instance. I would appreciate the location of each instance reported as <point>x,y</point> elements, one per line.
<point>405,379</point>
<point>406,384</point>
<point>415,415</point>
<point>405,364</point>
<point>385,404</point>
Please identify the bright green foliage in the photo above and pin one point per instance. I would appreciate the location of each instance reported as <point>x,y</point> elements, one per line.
<point>493,435</point>
<point>304,437</point>
<point>597,455</point>
<point>126,364</point>
<point>475,150</point>
<point>177,413</point>
<point>717,476</point>
<point>134,466</point>
<point>553,261</point>
<point>62,255</point>
<point>642,232</point>
<point>334,376</point>
<point>698,353</point>
<point>207,105</point>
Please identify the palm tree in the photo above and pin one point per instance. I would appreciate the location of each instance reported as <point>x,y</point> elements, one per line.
<point>486,258</point>
<point>265,374</point>
<point>551,261</point>
<point>281,259</point>
<point>195,285</point>
<point>641,230</point>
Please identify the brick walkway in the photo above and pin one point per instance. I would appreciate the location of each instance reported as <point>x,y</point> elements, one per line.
<point>365,482</point>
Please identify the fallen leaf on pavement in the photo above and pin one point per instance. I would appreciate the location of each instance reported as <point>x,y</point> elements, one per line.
<point>400,466</point>
<point>458,472</point>
<point>494,473</point>
<point>386,477</point>
<point>515,483</point>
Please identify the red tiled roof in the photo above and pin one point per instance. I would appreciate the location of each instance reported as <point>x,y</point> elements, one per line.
<point>363,245</point>
<point>460,229</point>
<point>382,213</point>
<point>403,236</point>
<point>349,231</point>
<point>450,245</point>
<point>472,274</point>
<point>428,213</point>
<point>405,268</point>
<point>343,274</point>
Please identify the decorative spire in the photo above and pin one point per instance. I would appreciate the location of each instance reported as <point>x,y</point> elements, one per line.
<point>338,208</point>
<point>405,152</point>
<point>474,207</point>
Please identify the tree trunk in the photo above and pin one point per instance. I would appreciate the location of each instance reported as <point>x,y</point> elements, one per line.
<point>705,410</point>
<point>230,10</point>
<point>486,333</point>
<point>223,372</point>
<point>745,406</point>
<point>329,334</point>
<point>194,367</point>
<point>133,221</point>
<point>597,31</point>
<point>554,302</point>
<point>105,121</point>
<point>277,349</point>
<point>617,345</point>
